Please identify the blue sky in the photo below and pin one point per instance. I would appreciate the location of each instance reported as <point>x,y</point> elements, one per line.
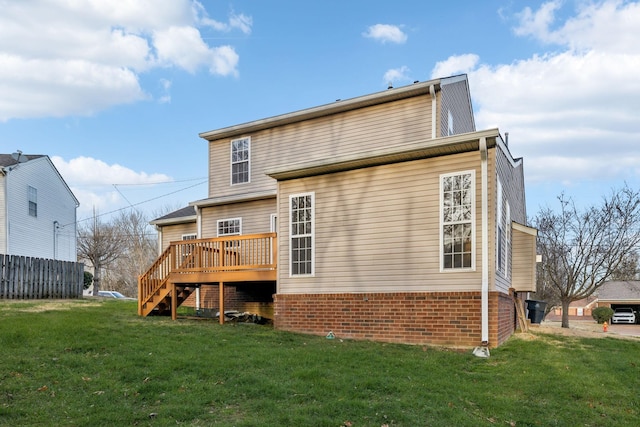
<point>117,92</point>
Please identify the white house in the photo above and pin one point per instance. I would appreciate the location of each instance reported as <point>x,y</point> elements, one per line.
<point>37,209</point>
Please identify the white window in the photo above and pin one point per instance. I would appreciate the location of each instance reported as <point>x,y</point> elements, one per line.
<point>190,236</point>
<point>240,160</point>
<point>229,227</point>
<point>301,224</point>
<point>33,201</point>
<point>457,213</point>
<point>449,123</point>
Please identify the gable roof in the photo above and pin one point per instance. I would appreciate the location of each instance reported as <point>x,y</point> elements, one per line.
<point>7,160</point>
<point>7,163</point>
<point>339,106</point>
<point>620,290</point>
<point>182,215</point>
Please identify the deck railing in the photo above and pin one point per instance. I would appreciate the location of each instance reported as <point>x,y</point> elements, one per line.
<point>220,254</point>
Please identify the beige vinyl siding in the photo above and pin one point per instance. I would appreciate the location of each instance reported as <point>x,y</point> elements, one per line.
<point>256,216</point>
<point>174,233</point>
<point>378,229</point>
<point>524,251</point>
<point>384,125</point>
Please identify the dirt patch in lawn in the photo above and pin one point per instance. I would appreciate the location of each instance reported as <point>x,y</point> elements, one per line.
<point>36,306</point>
<point>583,329</point>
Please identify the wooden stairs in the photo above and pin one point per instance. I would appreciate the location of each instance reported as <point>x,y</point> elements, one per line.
<point>186,265</point>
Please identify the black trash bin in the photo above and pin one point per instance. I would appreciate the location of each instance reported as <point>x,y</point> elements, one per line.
<point>536,310</point>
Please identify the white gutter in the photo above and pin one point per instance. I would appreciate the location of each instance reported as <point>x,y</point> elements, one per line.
<point>434,106</point>
<point>485,240</point>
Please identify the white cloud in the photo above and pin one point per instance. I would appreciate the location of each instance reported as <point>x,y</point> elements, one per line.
<point>386,33</point>
<point>455,65</point>
<point>571,114</point>
<point>610,25</point>
<point>86,56</point>
<point>94,182</point>
<point>397,75</point>
<point>537,23</point>
<point>90,171</point>
<point>166,87</point>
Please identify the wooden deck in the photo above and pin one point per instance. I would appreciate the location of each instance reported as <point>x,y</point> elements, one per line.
<point>186,264</point>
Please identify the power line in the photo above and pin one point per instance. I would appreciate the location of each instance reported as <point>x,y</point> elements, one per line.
<point>137,204</point>
<point>162,182</point>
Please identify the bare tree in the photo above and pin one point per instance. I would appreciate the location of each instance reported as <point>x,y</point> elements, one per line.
<point>101,244</point>
<point>139,250</point>
<point>545,290</point>
<point>582,250</point>
<point>628,269</point>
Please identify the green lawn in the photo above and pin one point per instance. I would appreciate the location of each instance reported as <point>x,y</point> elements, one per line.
<point>96,363</point>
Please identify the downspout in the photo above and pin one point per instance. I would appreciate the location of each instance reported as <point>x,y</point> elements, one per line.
<point>198,222</point>
<point>434,106</point>
<point>5,217</point>
<point>198,236</point>
<point>485,240</point>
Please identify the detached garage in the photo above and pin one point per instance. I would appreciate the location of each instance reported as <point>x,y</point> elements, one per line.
<point>620,294</point>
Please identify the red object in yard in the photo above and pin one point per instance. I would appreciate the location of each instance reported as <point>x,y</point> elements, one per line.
<point>605,327</point>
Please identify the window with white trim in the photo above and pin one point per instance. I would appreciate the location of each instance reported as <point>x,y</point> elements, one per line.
<point>190,236</point>
<point>457,213</point>
<point>240,160</point>
<point>229,227</point>
<point>33,201</point>
<point>301,224</point>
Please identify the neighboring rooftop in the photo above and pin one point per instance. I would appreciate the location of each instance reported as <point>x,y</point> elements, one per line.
<point>620,290</point>
<point>181,215</point>
<point>9,160</point>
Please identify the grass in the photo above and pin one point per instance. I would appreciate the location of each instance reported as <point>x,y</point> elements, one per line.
<point>97,363</point>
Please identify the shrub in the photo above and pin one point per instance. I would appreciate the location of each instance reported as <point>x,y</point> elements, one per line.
<point>88,279</point>
<point>602,314</point>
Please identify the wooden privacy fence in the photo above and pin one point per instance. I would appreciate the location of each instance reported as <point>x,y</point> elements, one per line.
<point>35,278</point>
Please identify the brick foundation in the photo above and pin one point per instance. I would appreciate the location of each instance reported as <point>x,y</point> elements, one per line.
<point>439,318</point>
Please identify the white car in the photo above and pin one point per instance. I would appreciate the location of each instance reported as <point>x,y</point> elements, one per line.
<point>623,315</point>
<point>113,294</point>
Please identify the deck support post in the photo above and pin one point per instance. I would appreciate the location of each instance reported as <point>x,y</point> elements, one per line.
<point>174,301</point>
<point>221,304</point>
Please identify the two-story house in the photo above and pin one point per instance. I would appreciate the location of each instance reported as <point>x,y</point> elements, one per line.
<point>385,217</point>
<point>37,209</point>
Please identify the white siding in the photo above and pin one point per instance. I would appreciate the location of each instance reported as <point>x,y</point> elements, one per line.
<point>35,236</point>
<point>377,229</point>
<point>3,215</point>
